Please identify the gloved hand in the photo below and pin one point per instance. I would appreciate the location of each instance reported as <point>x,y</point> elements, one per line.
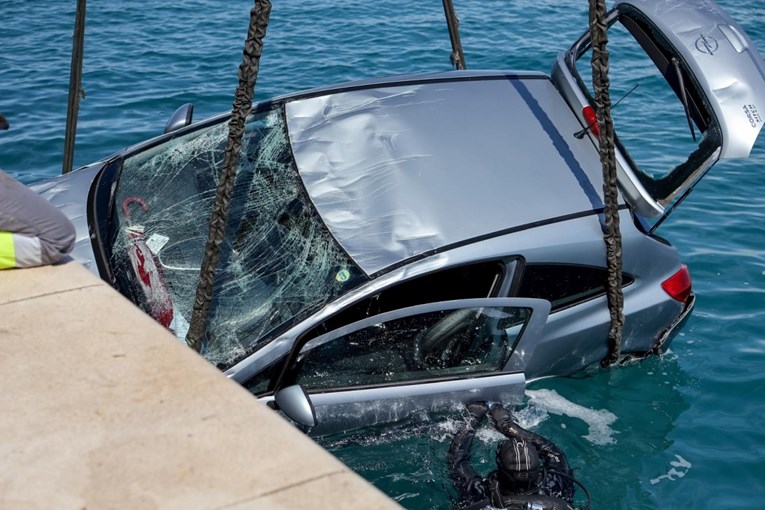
<point>477,411</point>
<point>499,413</point>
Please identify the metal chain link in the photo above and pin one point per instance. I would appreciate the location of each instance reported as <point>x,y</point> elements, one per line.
<point>611,233</point>
<point>248,73</point>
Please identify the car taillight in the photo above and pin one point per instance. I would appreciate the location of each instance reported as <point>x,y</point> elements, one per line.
<point>678,286</point>
<point>591,118</point>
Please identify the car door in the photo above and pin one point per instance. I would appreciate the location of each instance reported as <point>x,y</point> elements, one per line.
<point>421,358</point>
<point>714,81</point>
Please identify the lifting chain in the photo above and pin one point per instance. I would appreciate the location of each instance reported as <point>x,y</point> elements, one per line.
<point>248,73</point>
<point>611,234</point>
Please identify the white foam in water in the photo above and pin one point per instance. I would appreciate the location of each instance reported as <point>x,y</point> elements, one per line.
<point>489,435</point>
<point>679,469</point>
<point>598,420</point>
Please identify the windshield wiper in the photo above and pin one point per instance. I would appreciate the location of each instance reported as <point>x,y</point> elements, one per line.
<point>683,96</point>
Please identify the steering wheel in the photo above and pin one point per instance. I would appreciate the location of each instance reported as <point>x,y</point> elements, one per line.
<point>448,340</point>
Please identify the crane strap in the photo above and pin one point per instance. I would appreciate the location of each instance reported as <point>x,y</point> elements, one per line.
<point>248,74</point>
<point>610,223</point>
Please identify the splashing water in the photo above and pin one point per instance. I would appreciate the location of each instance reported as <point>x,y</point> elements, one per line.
<point>598,421</point>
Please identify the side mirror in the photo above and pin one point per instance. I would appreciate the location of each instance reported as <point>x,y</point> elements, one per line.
<point>180,118</point>
<point>295,403</point>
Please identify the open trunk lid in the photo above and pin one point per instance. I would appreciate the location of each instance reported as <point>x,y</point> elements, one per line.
<point>716,74</point>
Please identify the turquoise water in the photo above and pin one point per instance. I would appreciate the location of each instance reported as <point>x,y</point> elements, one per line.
<point>681,431</point>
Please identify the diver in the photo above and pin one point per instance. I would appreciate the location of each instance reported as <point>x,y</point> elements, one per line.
<point>531,471</point>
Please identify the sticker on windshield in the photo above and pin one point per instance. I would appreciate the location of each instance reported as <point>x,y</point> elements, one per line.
<point>156,242</point>
<point>343,276</point>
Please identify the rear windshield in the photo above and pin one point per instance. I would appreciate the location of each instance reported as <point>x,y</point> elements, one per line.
<point>668,147</point>
<point>278,261</point>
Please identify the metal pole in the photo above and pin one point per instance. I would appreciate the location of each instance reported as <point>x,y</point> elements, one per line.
<point>75,86</point>
<point>457,57</point>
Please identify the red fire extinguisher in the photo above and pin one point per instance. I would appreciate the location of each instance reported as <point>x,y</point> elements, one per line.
<point>150,278</point>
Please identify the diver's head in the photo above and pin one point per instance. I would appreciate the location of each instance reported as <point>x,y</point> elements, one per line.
<point>518,466</point>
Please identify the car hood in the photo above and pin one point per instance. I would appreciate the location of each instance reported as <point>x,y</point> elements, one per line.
<point>402,170</point>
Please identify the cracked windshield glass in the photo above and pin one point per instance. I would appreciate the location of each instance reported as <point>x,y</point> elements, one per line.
<point>278,261</point>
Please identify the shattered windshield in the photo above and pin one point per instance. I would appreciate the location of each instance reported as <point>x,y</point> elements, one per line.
<point>278,261</point>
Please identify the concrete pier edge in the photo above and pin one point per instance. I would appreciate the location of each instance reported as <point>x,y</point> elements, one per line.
<point>103,408</point>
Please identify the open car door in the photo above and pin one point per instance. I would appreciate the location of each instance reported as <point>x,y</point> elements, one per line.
<point>422,358</point>
<point>699,56</point>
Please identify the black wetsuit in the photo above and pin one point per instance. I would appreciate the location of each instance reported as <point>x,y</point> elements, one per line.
<point>554,492</point>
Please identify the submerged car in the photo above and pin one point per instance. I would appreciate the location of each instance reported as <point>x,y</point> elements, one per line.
<point>403,243</point>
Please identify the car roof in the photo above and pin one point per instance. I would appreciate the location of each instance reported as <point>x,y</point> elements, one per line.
<point>415,165</point>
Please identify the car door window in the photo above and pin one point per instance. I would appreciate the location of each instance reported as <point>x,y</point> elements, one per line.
<point>430,344</point>
<point>565,285</point>
<point>470,281</point>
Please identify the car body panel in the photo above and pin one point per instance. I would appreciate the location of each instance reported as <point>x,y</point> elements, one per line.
<point>69,193</point>
<point>574,337</point>
<point>722,59</point>
<point>418,388</point>
<point>348,410</point>
<point>392,170</point>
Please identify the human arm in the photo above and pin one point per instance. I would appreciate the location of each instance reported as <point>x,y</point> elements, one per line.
<point>32,231</point>
<point>467,483</point>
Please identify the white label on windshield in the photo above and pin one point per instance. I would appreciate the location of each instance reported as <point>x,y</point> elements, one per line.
<point>156,242</point>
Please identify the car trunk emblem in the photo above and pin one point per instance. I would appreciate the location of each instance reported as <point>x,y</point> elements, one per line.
<point>707,44</point>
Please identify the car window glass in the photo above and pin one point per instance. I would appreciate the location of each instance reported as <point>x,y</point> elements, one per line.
<point>278,261</point>
<point>564,285</point>
<point>657,142</point>
<point>445,343</point>
<point>464,282</point>
<point>258,384</point>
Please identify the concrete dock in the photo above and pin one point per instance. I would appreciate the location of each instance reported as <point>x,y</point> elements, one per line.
<point>103,408</point>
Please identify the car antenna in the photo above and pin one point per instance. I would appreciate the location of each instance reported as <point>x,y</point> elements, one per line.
<point>457,57</point>
<point>580,134</point>
<point>683,96</point>
<point>248,75</point>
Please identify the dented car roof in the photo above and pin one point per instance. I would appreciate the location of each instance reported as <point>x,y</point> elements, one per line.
<point>393,169</point>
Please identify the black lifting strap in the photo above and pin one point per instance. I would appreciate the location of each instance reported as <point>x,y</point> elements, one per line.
<point>248,73</point>
<point>75,86</point>
<point>611,234</point>
<point>457,57</point>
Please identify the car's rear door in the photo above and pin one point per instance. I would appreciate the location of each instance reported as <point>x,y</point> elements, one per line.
<point>716,80</point>
<point>421,358</point>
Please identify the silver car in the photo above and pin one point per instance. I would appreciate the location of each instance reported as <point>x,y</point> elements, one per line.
<point>403,243</point>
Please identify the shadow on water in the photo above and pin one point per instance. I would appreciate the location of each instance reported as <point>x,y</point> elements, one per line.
<point>615,427</point>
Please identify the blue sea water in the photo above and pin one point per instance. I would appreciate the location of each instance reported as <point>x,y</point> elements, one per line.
<point>686,430</point>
